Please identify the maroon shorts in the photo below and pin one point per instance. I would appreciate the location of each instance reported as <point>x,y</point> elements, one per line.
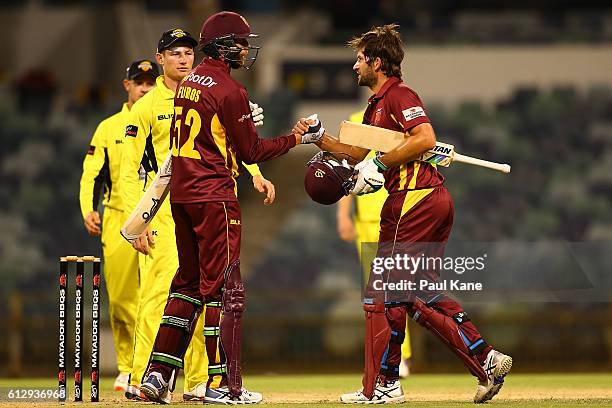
<point>404,219</point>
<point>208,241</point>
<point>413,223</point>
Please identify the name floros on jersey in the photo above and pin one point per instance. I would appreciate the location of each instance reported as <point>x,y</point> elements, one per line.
<point>193,94</point>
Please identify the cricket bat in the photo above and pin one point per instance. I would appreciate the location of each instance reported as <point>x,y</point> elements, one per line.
<point>385,140</point>
<point>150,202</point>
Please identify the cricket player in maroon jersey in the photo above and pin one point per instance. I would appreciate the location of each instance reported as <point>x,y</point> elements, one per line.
<point>212,132</point>
<point>419,209</point>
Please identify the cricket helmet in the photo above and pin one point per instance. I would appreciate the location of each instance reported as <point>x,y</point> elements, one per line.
<point>226,34</point>
<point>328,178</point>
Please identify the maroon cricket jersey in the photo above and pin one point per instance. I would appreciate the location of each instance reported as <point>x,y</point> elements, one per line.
<point>397,107</point>
<point>212,132</point>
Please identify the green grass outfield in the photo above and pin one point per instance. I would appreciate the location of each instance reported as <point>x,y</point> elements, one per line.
<point>422,390</point>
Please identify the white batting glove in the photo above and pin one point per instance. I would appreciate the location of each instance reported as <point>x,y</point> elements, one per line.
<point>369,177</point>
<point>314,132</point>
<point>256,113</point>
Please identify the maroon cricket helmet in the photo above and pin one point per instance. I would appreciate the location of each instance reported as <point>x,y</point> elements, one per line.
<point>225,35</point>
<point>223,24</point>
<point>328,178</point>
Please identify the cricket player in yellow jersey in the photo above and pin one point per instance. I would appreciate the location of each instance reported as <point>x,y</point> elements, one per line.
<point>101,173</point>
<point>365,227</point>
<point>147,143</point>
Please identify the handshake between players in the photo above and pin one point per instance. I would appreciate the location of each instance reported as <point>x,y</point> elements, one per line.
<point>333,175</point>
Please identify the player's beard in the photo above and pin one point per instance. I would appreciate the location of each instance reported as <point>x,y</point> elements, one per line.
<point>367,78</point>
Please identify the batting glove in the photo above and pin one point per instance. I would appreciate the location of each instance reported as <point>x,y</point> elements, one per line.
<point>256,113</point>
<point>369,177</point>
<point>314,132</point>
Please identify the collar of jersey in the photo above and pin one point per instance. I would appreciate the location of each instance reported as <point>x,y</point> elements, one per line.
<point>216,64</point>
<point>163,89</point>
<point>382,91</point>
<point>124,108</point>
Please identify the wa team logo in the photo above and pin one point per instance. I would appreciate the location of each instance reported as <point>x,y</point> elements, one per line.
<point>319,173</point>
<point>178,33</point>
<point>145,66</point>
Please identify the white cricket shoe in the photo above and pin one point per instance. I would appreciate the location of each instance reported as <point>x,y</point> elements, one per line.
<point>197,393</point>
<point>121,382</point>
<point>391,392</point>
<point>222,396</point>
<point>155,388</point>
<point>496,366</point>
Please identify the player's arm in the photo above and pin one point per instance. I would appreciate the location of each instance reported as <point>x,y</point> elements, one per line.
<point>253,169</point>
<point>419,140</point>
<point>95,171</point>
<point>407,110</point>
<point>138,221</point>
<point>137,130</point>
<point>331,144</point>
<point>344,219</point>
<point>233,113</point>
<point>260,183</point>
<point>265,186</point>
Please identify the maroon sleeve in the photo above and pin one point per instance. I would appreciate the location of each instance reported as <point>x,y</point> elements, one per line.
<point>407,108</point>
<point>235,115</point>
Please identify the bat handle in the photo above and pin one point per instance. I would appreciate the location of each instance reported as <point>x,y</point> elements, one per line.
<point>504,168</point>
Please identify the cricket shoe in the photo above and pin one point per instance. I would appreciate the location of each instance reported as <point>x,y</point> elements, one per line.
<point>121,382</point>
<point>390,392</point>
<point>496,366</point>
<point>133,393</point>
<point>198,393</point>
<point>223,396</point>
<point>155,388</point>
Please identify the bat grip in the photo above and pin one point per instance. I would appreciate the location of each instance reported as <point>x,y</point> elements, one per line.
<point>504,168</point>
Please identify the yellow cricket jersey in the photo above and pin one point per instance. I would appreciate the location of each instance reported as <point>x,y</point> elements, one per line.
<point>147,142</point>
<point>101,165</point>
<point>368,206</point>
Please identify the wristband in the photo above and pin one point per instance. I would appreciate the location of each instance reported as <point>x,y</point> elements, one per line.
<point>381,166</point>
